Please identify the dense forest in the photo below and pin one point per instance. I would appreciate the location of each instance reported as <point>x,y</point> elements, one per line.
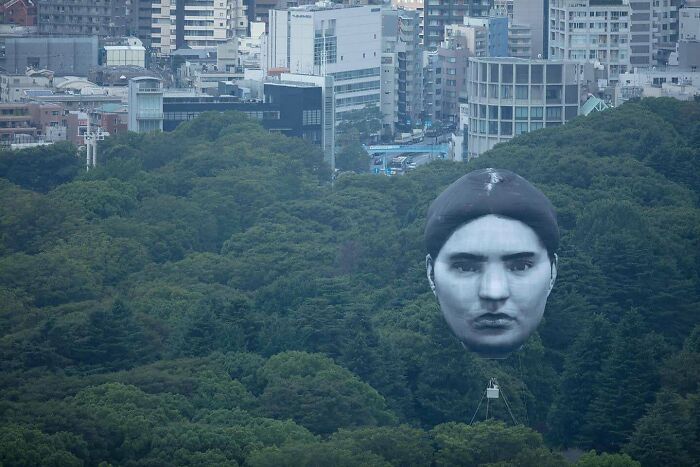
<point>207,297</point>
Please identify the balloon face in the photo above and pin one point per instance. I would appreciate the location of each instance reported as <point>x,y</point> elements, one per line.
<point>492,278</point>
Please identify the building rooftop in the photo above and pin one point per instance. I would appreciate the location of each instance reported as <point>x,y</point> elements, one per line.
<point>522,61</point>
<point>124,47</point>
<point>326,5</point>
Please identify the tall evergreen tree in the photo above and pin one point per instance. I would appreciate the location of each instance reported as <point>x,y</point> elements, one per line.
<point>665,435</point>
<point>629,378</point>
<point>581,377</point>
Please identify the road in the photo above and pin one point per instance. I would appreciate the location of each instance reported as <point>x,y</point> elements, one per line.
<point>418,158</point>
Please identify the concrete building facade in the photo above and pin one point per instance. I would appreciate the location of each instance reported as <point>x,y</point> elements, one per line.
<point>18,12</point>
<point>440,13</point>
<point>401,70</point>
<point>592,30</point>
<point>101,18</point>
<point>511,96</point>
<point>642,32</point>
<point>658,81</point>
<point>484,37</point>
<point>535,14</point>
<point>665,29</point>
<point>62,55</point>
<point>145,104</point>
<point>413,5</point>
<point>195,24</point>
<point>16,124</point>
<point>520,41</point>
<point>342,42</point>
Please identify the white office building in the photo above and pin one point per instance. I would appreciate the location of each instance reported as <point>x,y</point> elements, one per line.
<point>195,24</point>
<point>592,30</point>
<point>330,40</point>
<point>511,96</point>
<point>145,104</point>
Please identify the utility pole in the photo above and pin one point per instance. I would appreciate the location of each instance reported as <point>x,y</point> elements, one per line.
<point>91,138</point>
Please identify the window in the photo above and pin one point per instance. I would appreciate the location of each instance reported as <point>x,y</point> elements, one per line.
<point>553,113</point>
<point>493,112</point>
<point>536,113</point>
<point>506,91</point>
<point>506,112</point>
<point>521,92</point>
<point>506,128</point>
<point>311,117</point>
<point>554,73</point>
<point>521,113</point>
<point>364,86</point>
<point>364,73</point>
<point>520,128</point>
<point>507,73</point>
<point>331,49</point>
<point>553,94</point>
<point>537,73</point>
<point>493,128</point>
<point>357,100</point>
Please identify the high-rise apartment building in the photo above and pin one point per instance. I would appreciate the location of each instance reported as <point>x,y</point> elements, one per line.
<point>140,12</point>
<point>519,41</point>
<point>101,18</point>
<point>592,30</point>
<point>195,24</point>
<point>642,33</point>
<point>416,5</point>
<point>665,29</point>
<point>339,41</point>
<point>401,70</point>
<point>504,8</point>
<point>440,13</point>
<point>486,37</point>
<point>535,15</point>
<point>689,35</point>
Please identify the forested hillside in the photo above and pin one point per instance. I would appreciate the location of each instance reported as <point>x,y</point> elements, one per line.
<point>206,297</point>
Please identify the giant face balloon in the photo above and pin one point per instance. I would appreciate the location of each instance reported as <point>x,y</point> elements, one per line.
<point>491,238</point>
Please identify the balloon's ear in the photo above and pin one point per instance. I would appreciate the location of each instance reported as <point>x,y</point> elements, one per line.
<point>430,271</point>
<point>553,274</point>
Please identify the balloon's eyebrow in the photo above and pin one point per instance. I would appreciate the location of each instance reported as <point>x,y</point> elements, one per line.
<point>482,258</point>
<point>522,255</point>
<point>468,257</point>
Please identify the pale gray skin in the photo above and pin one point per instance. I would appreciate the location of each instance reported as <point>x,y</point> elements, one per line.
<point>492,278</point>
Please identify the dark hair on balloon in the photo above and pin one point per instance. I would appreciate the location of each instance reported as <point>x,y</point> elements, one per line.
<point>490,191</point>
